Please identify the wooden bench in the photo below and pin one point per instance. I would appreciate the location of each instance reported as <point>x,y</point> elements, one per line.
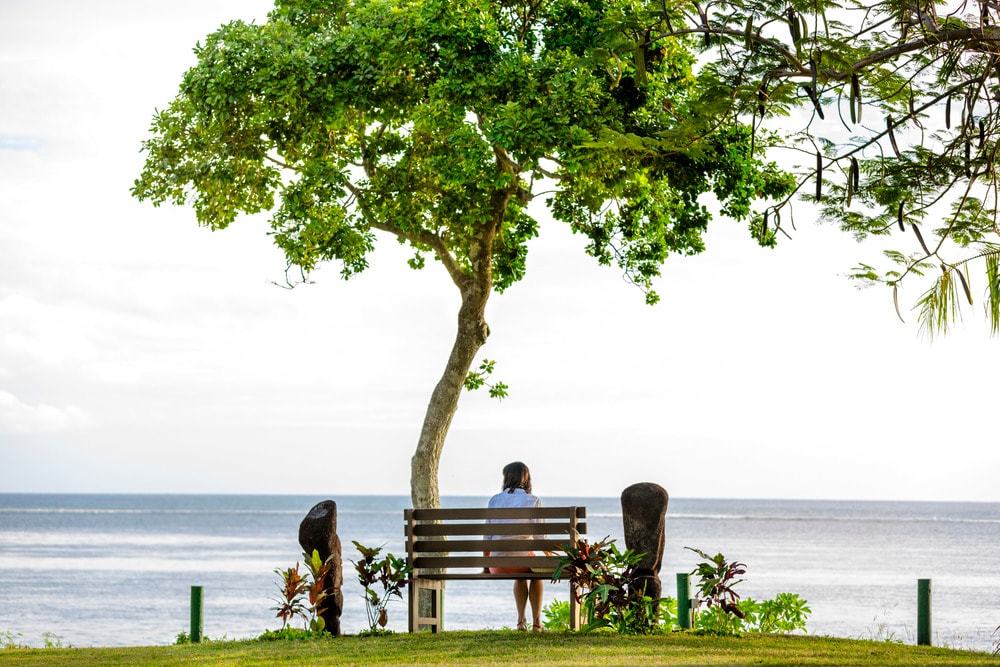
<point>448,544</point>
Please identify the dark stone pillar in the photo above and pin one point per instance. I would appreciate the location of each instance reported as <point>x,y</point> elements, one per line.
<point>318,531</point>
<point>644,508</point>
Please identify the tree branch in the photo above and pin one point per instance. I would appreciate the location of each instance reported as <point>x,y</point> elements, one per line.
<point>423,237</point>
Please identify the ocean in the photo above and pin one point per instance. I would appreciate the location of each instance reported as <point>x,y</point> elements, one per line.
<point>117,570</point>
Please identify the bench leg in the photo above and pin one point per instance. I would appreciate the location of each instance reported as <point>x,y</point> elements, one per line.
<point>574,608</point>
<point>426,602</point>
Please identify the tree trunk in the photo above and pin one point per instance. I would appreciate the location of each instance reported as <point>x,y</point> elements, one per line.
<point>470,337</point>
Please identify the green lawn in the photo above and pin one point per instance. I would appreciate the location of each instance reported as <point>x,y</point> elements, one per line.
<point>506,647</point>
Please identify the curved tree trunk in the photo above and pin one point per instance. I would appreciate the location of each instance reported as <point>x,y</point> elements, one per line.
<point>471,335</point>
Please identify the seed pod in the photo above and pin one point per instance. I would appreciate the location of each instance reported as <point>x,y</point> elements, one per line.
<point>815,100</point>
<point>761,98</point>
<point>703,13</point>
<point>982,133</point>
<point>968,159</point>
<point>856,95</point>
<point>899,217</point>
<point>855,174</point>
<point>819,176</point>
<point>892,137</point>
<point>852,101</point>
<point>895,302</point>
<point>805,26</point>
<point>763,228</point>
<point>748,34</point>
<point>920,237</point>
<point>947,113</point>
<point>793,25</point>
<point>850,184</point>
<point>965,285</point>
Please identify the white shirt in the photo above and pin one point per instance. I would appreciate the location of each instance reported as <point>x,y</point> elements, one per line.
<point>519,498</point>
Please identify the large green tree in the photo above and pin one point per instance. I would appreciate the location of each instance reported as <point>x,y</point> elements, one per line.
<point>892,111</point>
<point>437,122</point>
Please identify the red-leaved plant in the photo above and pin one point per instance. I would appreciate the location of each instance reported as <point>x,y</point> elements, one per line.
<point>294,587</point>
<point>717,577</point>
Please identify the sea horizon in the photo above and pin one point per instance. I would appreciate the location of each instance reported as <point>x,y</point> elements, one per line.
<point>488,494</point>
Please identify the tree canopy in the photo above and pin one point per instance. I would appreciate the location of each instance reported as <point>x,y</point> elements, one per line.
<point>437,122</point>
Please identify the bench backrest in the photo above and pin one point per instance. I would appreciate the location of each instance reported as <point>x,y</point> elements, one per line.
<point>445,538</point>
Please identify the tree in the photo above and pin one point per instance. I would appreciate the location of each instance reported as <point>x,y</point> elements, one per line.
<point>437,122</point>
<point>900,132</point>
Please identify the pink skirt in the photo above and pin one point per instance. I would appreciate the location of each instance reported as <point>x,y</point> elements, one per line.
<point>512,570</point>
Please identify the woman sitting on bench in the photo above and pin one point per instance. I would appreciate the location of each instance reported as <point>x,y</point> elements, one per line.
<point>517,493</point>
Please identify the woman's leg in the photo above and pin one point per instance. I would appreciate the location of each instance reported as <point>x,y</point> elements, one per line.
<point>535,595</point>
<point>521,600</point>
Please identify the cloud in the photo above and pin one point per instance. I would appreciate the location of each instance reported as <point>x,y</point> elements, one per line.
<point>19,417</point>
<point>31,331</point>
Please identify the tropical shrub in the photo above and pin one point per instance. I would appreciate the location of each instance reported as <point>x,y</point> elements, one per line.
<point>391,573</point>
<point>303,595</point>
<point>556,615</point>
<point>722,612</point>
<point>717,579</point>
<point>786,612</point>
<point>613,598</point>
<point>613,594</point>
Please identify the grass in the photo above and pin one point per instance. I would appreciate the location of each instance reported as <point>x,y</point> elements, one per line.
<point>505,647</point>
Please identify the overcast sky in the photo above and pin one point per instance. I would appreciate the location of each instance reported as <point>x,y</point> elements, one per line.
<point>141,353</point>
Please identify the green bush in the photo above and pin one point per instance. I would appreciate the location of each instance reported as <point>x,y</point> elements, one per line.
<point>613,597</point>
<point>556,615</point>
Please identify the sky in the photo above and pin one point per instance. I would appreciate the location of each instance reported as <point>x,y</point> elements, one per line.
<point>141,353</point>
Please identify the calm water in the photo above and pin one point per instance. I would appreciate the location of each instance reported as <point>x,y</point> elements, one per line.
<point>108,570</point>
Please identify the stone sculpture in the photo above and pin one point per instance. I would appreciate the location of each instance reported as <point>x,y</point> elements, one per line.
<point>644,508</point>
<point>318,531</point>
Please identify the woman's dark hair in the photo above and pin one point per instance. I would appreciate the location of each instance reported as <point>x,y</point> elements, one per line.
<point>516,476</point>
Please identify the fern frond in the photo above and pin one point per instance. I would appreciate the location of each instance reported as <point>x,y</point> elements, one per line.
<point>938,307</point>
<point>993,291</point>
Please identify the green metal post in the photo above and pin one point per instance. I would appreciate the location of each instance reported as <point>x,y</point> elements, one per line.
<point>685,615</point>
<point>197,620</point>
<point>923,612</point>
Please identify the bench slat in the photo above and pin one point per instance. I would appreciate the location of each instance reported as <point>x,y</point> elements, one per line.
<point>464,514</point>
<point>435,562</point>
<point>458,546</point>
<point>470,576</point>
<point>442,529</point>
